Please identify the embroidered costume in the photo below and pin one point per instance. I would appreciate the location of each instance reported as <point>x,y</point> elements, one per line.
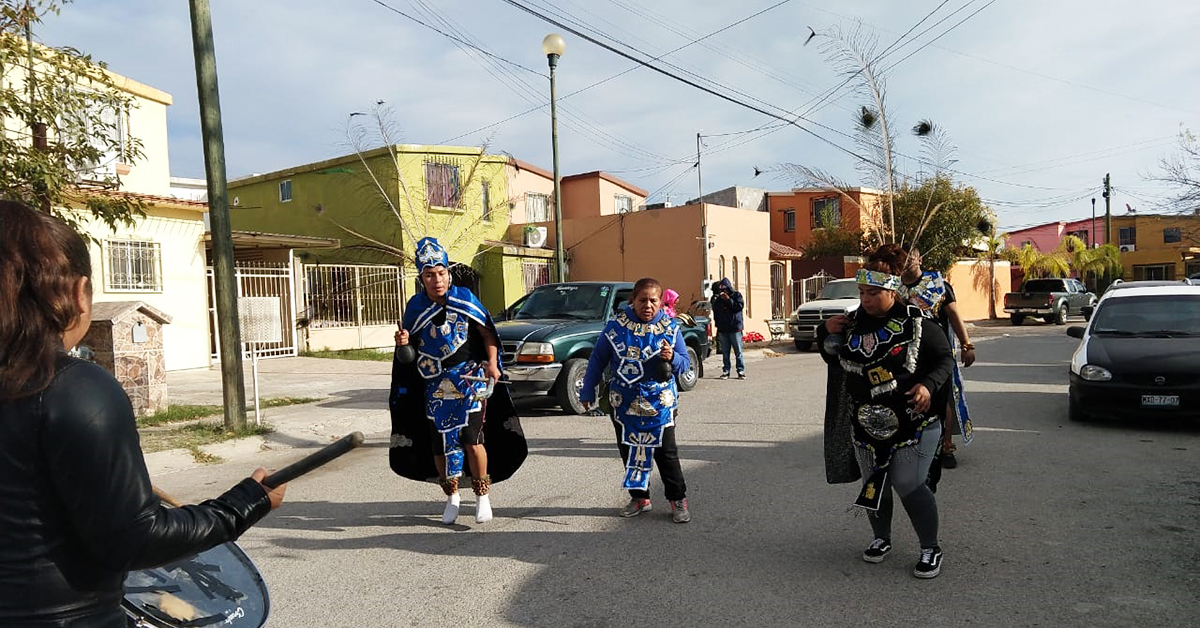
<point>931,294</point>
<point>445,388</point>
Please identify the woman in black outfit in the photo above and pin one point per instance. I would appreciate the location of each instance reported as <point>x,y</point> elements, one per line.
<point>76,507</point>
<point>896,363</point>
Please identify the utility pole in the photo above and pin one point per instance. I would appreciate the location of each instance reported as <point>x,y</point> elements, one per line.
<point>1107,210</point>
<point>703,221</point>
<point>233,383</point>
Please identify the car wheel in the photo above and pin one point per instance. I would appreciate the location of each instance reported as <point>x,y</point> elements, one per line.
<point>570,382</point>
<point>1074,413</point>
<point>803,345</point>
<point>1087,314</point>
<point>1017,319</point>
<point>1060,316</point>
<point>687,379</point>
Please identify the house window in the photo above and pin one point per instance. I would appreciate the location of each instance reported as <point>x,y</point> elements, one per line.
<point>133,266</point>
<point>749,292</point>
<point>441,184</point>
<point>1172,235</point>
<point>1082,234</point>
<point>1154,272</point>
<point>736,286</point>
<point>1127,236</point>
<point>1192,268</point>
<point>536,274</point>
<point>537,207</point>
<point>826,212</point>
<point>285,190</point>
<point>789,220</point>
<point>624,203</point>
<point>487,203</point>
<point>720,268</point>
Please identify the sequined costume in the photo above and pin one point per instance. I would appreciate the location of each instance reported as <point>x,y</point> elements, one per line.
<point>643,405</point>
<point>932,293</point>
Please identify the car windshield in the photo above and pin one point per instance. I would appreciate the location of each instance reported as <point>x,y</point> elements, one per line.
<point>1158,315</point>
<point>583,302</point>
<point>839,290</point>
<point>1043,285</point>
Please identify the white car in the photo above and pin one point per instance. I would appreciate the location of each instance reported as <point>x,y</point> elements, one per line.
<point>839,296</point>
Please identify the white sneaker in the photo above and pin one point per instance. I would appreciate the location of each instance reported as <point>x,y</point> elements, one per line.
<point>483,509</point>
<point>451,511</point>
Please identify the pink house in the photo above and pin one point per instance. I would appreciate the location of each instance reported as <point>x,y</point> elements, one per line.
<point>1047,237</point>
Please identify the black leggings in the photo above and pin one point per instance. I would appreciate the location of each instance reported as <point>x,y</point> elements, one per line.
<point>666,458</point>
<point>907,472</point>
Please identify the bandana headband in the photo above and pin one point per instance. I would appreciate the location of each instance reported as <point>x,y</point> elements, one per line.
<point>878,279</point>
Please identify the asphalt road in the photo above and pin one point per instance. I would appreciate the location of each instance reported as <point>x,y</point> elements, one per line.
<point>1044,523</point>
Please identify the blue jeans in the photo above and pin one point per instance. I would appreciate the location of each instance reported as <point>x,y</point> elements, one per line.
<point>727,340</point>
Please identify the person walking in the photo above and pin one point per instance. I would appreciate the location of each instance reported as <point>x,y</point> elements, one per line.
<point>727,305</point>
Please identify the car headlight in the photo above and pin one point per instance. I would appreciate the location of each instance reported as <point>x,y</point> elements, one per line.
<point>536,353</point>
<point>1093,373</point>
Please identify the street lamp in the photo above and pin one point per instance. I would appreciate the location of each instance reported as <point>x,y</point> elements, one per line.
<point>1092,233</point>
<point>553,46</point>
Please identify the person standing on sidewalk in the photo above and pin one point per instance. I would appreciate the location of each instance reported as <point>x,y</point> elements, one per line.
<point>727,305</point>
<point>77,510</point>
<point>644,350</point>
<point>440,403</point>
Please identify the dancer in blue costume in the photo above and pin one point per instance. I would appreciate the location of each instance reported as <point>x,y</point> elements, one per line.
<point>895,362</point>
<point>449,400</point>
<point>643,349</point>
<point>930,292</point>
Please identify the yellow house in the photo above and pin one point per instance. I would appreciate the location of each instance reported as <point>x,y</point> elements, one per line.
<point>1158,246</point>
<point>380,202</point>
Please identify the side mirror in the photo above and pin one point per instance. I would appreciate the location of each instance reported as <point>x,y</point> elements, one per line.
<point>1088,310</point>
<point>1075,331</point>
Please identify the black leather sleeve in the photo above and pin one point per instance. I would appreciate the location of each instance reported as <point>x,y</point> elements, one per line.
<point>936,359</point>
<point>90,441</point>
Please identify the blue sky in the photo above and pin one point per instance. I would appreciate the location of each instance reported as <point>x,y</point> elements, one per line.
<point>1041,99</point>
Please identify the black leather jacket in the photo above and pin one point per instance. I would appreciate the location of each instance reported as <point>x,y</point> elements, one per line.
<point>77,509</point>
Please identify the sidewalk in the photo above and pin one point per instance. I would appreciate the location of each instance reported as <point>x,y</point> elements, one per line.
<point>353,397</point>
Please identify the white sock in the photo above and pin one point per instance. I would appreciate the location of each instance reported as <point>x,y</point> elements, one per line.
<point>483,509</point>
<point>451,511</point>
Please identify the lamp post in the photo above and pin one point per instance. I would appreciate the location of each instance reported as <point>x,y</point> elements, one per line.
<point>1092,233</point>
<point>553,47</point>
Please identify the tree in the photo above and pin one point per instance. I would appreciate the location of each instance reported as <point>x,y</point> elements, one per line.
<point>993,244</point>
<point>835,241</point>
<point>1100,263</point>
<point>942,219</point>
<point>1182,171</point>
<point>63,116</point>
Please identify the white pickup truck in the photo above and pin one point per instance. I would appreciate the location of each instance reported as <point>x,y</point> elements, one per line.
<point>839,296</point>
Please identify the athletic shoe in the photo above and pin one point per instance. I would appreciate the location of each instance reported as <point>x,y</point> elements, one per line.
<point>679,511</point>
<point>877,551</point>
<point>724,376</point>
<point>930,564</point>
<point>948,460</point>
<point>635,507</point>
<point>741,375</point>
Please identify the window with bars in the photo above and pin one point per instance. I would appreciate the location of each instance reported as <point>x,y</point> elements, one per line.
<point>441,184</point>
<point>537,207</point>
<point>623,203</point>
<point>536,274</point>
<point>789,220</point>
<point>826,212</point>
<point>133,266</point>
<point>1127,236</point>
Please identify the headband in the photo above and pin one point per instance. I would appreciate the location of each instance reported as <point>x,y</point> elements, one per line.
<point>878,279</point>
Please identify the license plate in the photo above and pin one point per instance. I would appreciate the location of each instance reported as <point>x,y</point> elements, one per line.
<point>1160,401</point>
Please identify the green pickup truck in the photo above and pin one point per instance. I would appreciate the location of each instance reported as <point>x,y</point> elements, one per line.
<point>547,336</point>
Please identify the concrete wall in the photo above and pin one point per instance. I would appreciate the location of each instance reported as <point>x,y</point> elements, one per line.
<point>970,281</point>
<point>753,199</point>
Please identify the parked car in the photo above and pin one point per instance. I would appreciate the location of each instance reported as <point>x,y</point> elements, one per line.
<point>547,336</point>
<point>1137,357</point>
<point>1052,300</point>
<point>839,296</point>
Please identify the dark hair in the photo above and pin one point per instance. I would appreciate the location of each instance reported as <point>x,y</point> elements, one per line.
<point>645,283</point>
<point>889,258</point>
<point>40,262</point>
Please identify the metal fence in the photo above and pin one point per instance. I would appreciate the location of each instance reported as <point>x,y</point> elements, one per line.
<point>260,280</point>
<point>805,290</point>
<point>344,295</point>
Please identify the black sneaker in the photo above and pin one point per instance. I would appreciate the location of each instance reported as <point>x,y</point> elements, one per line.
<point>724,376</point>
<point>930,563</point>
<point>741,375</point>
<point>948,460</point>
<point>878,551</point>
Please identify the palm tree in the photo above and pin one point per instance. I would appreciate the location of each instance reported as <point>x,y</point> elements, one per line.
<point>1038,264</point>
<point>993,249</point>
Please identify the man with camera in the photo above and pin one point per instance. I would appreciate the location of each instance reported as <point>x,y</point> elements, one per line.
<point>727,305</point>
